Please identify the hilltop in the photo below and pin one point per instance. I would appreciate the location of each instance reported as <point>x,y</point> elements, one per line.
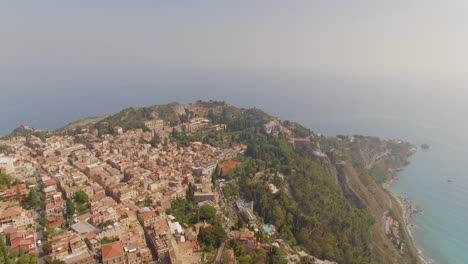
<point>323,195</point>
<point>85,122</point>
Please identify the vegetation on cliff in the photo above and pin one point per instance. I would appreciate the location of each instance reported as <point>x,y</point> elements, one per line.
<point>316,215</point>
<point>339,222</point>
<point>132,118</point>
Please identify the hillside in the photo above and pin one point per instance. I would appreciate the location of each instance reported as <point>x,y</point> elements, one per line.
<point>26,131</point>
<point>329,199</point>
<point>332,201</point>
<point>172,114</point>
<point>85,122</point>
<point>364,164</point>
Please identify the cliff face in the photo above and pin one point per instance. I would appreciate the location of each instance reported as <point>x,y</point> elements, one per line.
<point>363,165</point>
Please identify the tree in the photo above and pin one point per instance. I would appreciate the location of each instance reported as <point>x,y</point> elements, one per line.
<point>32,200</point>
<point>46,247</point>
<point>17,257</point>
<point>212,236</point>
<point>70,209</point>
<point>216,175</point>
<point>81,197</point>
<point>240,223</point>
<point>107,240</point>
<point>279,256</point>
<point>26,259</point>
<point>230,190</point>
<point>207,213</point>
<point>227,259</point>
<point>4,148</point>
<point>184,211</point>
<point>4,251</point>
<point>81,208</point>
<point>190,194</point>
<point>155,140</point>
<point>148,201</point>
<point>5,181</point>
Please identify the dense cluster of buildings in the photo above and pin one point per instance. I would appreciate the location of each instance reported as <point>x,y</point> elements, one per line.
<point>129,184</point>
<point>15,221</point>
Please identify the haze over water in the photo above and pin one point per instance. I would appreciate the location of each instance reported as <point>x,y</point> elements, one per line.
<point>326,103</point>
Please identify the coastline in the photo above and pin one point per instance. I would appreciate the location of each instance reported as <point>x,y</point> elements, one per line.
<point>408,211</point>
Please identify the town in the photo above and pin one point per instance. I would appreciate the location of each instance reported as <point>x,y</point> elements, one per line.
<point>121,197</point>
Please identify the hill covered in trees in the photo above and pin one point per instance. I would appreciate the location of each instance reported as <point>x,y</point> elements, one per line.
<point>330,200</point>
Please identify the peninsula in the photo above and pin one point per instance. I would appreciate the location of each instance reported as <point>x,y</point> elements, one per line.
<point>205,182</point>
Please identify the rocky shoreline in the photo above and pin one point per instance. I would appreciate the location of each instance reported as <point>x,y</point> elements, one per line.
<point>409,210</point>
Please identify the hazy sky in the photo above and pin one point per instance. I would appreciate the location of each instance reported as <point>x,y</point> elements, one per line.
<point>421,39</point>
<point>63,60</point>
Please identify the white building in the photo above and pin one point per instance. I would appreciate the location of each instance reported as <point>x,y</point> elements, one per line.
<point>155,125</point>
<point>7,164</point>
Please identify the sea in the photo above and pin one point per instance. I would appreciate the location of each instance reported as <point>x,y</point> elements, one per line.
<point>418,111</point>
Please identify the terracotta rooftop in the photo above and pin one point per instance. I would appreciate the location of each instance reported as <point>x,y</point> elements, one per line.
<point>49,182</point>
<point>161,226</point>
<point>90,236</point>
<point>112,251</point>
<point>229,165</point>
<point>147,215</point>
<point>11,212</point>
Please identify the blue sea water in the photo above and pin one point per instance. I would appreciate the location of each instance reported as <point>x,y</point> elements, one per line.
<point>436,182</point>
<point>417,112</point>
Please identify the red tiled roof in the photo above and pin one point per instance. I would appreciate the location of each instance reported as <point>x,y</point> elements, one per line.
<point>11,212</point>
<point>49,182</point>
<point>112,251</point>
<point>162,226</point>
<point>10,230</point>
<point>90,236</point>
<point>229,165</point>
<point>19,243</point>
<point>147,215</point>
<point>55,221</point>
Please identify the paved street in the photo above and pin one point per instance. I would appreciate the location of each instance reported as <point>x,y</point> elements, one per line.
<point>219,255</point>
<point>39,236</point>
<point>39,228</point>
<point>224,203</point>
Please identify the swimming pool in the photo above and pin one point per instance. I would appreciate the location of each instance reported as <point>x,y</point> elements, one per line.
<point>268,229</point>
